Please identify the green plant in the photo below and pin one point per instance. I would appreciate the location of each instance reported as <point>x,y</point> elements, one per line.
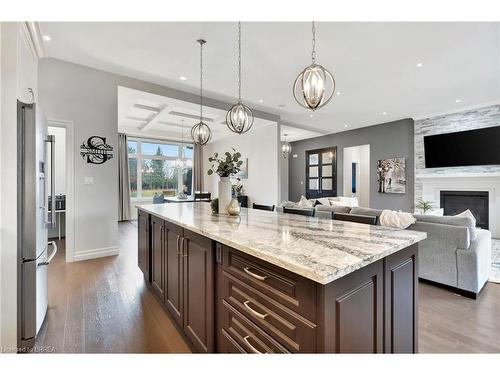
<point>424,205</point>
<point>226,166</point>
<point>214,205</point>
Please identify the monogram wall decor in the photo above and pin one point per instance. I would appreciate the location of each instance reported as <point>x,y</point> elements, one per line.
<point>96,150</point>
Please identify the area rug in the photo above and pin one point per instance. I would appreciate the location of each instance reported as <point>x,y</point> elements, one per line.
<point>495,261</point>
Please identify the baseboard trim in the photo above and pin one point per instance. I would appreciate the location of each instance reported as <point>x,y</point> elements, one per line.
<point>95,253</point>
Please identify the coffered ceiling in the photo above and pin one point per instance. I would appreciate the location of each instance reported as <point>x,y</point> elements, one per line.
<point>148,115</point>
<point>384,71</point>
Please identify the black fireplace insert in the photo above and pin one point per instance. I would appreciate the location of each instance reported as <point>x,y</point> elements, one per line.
<point>455,202</point>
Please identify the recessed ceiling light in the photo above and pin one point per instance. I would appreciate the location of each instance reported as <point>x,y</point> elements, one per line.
<point>346,125</point>
<point>420,64</point>
<point>261,100</point>
<point>311,115</point>
<point>384,113</point>
<point>46,38</point>
<point>338,93</point>
<point>182,78</point>
<point>458,100</point>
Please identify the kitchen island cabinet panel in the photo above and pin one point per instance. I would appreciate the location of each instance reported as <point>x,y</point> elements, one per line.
<point>198,286</point>
<point>401,290</point>
<point>143,248</point>
<point>157,257</point>
<point>173,271</point>
<point>353,318</point>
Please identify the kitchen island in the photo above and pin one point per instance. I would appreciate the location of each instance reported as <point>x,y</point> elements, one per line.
<point>266,282</point>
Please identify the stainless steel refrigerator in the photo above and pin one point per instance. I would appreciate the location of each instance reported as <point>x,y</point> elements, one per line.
<point>36,179</point>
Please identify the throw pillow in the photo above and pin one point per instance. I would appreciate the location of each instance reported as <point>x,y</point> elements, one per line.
<point>468,213</point>
<point>304,203</point>
<point>395,219</point>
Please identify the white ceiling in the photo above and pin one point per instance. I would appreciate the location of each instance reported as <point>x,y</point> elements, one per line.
<point>147,115</point>
<point>374,64</point>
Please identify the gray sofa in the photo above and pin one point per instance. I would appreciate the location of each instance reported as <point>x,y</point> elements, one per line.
<point>455,253</point>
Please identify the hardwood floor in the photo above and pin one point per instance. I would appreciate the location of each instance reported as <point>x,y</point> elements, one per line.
<point>449,323</point>
<point>103,306</point>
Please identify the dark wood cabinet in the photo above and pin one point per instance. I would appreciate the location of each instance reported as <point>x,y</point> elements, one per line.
<point>173,266</point>
<point>263,308</point>
<point>157,256</point>
<point>401,289</point>
<point>182,277</point>
<point>226,301</point>
<point>352,312</point>
<point>143,257</point>
<point>198,286</point>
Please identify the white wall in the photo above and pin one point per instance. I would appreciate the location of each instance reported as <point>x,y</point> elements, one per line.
<point>88,98</point>
<point>18,73</point>
<point>360,155</point>
<point>60,158</point>
<point>260,146</point>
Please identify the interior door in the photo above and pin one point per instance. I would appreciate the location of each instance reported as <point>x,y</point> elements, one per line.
<point>321,173</point>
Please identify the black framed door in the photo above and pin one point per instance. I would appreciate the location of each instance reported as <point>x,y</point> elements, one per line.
<point>321,173</point>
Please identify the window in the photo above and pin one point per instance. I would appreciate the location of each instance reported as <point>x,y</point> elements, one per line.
<point>152,168</point>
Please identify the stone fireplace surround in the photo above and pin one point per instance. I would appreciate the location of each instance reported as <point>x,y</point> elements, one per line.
<point>430,181</point>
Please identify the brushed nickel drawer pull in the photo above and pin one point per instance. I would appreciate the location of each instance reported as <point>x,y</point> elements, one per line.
<point>254,275</point>
<point>257,314</point>
<point>251,347</point>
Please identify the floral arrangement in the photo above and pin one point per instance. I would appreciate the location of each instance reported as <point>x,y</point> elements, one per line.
<point>225,166</point>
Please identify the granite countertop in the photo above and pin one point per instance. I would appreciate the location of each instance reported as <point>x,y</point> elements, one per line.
<point>322,250</point>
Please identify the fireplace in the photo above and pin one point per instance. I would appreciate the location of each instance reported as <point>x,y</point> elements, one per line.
<point>454,202</point>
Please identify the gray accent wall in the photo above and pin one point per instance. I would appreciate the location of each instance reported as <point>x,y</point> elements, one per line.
<point>454,122</point>
<point>389,140</point>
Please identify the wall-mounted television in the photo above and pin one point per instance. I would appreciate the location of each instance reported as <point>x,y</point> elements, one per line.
<point>466,148</point>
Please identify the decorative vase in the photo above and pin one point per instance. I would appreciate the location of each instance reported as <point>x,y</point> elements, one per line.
<point>234,207</point>
<point>224,194</point>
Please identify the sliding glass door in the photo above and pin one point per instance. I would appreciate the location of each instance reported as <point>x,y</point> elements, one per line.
<point>321,173</point>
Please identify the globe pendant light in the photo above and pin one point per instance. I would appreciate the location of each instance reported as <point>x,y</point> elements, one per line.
<point>314,86</point>
<point>239,118</point>
<point>286,148</point>
<point>200,132</point>
<point>180,162</point>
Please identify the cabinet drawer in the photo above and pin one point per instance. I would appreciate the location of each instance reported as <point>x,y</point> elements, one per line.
<point>294,332</point>
<point>246,334</point>
<point>291,290</point>
<point>228,345</point>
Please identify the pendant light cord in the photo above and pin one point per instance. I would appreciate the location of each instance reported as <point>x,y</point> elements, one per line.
<point>239,61</point>
<point>313,53</point>
<point>201,80</point>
